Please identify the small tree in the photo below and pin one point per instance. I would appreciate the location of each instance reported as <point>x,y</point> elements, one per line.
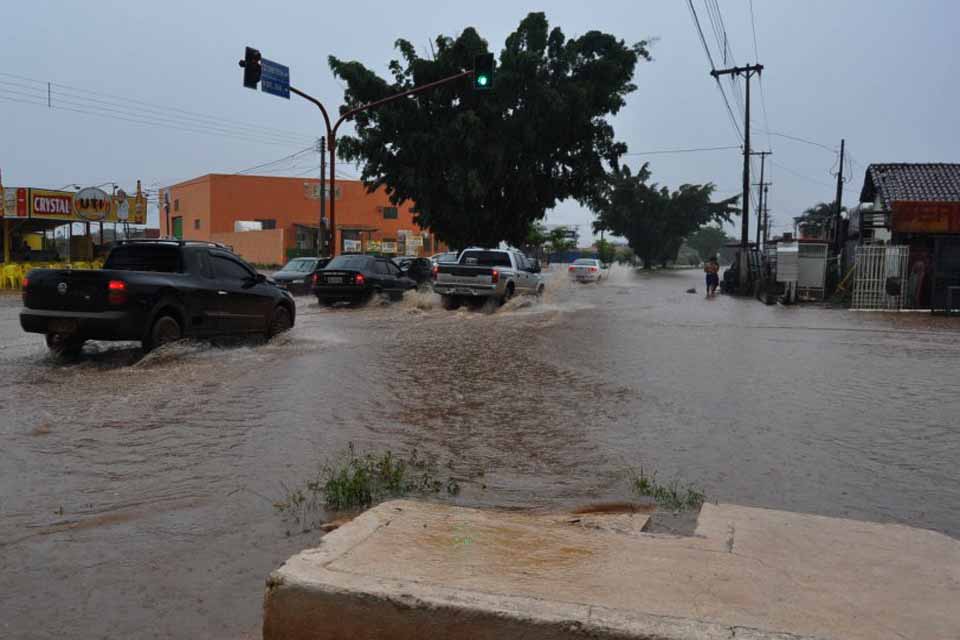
<point>606,251</point>
<point>817,221</point>
<point>560,240</point>
<point>708,240</point>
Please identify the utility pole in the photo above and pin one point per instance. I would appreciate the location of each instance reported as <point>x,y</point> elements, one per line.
<point>746,71</point>
<point>760,191</point>
<point>766,214</point>
<point>837,240</point>
<point>322,231</point>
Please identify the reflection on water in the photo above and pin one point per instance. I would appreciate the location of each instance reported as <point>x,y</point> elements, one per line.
<point>136,491</point>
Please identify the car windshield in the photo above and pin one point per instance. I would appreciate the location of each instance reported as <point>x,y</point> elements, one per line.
<point>447,257</point>
<point>164,258</point>
<point>586,261</point>
<point>301,265</point>
<point>486,258</point>
<point>354,262</point>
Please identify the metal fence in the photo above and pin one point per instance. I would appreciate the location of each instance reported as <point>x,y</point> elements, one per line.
<point>881,277</point>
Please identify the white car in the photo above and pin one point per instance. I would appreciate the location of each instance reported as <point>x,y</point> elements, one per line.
<point>586,270</point>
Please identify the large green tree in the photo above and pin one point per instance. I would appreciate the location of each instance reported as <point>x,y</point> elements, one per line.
<point>817,221</point>
<point>483,165</point>
<point>654,219</point>
<point>708,240</point>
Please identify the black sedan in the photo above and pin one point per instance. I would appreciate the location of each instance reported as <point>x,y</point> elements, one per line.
<point>299,275</point>
<point>356,278</point>
<point>420,270</point>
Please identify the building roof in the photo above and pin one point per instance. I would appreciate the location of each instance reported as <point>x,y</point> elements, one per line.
<point>923,182</point>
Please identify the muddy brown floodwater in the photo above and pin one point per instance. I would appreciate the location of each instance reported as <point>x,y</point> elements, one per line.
<point>136,492</point>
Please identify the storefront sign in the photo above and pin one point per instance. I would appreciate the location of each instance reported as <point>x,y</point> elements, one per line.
<point>92,203</point>
<point>373,246</point>
<point>54,204</point>
<point>351,246</point>
<point>926,217</point>
<point>14,203</point>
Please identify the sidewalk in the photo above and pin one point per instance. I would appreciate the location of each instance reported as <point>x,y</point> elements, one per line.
<point>415,570</point>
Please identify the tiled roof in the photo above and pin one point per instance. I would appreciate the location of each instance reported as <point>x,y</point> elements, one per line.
<point>926,182</point>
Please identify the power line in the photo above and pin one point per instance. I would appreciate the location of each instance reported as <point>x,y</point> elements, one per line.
<point>78,107</point>
<point>152,106</point>
<point>713,67</point>
<point>662,151</point>
<point>804,140</point>
<point>46,96</point>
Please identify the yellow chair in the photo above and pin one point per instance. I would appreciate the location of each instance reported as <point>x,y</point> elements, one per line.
<point>80,265</point>
<point>12,276</point>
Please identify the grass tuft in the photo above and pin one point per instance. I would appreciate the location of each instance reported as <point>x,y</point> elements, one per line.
<point>357,480</point>
<point>672,496</point>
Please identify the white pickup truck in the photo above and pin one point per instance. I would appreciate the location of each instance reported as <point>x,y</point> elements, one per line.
<point>484,274</point>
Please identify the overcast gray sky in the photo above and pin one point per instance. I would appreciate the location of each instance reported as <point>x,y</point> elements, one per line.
<point>882,74</point>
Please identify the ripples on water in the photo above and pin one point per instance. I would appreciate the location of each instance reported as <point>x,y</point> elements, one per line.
<point>137,486</point>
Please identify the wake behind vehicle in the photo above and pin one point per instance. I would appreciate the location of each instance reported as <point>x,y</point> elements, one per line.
<point>420,270</point>
<point>357,278</point>
<point>155,292</point>
<point>486,274</point>
<point>586,270</point>
<point>299,275</point>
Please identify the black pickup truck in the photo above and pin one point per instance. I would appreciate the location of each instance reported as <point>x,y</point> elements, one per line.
<point>155,292</point>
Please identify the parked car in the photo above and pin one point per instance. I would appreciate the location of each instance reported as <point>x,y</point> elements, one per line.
<point>356,278</point>
<point>450,257</point>
<point>485,274</point>
<point>156,292</point>
<point>586,270</point>
<point>299,275</point>
<point>420,270</point>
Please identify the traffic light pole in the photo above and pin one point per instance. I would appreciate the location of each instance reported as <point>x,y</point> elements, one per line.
<point>346,115</point>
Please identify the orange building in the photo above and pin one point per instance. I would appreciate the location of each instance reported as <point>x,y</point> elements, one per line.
<point>268,220</point>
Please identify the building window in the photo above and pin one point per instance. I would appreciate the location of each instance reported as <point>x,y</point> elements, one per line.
<point>176,204</point>
<point>389,213</point>
<point>196,223</point>
<point>267,224</point>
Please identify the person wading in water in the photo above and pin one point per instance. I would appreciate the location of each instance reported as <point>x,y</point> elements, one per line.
<point>712,269</point>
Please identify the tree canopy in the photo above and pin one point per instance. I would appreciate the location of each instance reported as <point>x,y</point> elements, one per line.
<point>653,219</point>
<point>481,166</point>
<point>708,240</point>
<point>817,221</point>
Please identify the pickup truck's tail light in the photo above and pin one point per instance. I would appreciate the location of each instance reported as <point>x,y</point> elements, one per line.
<point>495,276</point>
<point>435,271</point>
<point>117,292</point>
<point>25,283</point>
<point>571,269</point>
<point>316,278</point>
<point>359,280</point>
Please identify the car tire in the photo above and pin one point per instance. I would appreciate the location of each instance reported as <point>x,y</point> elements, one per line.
<point>540,291</point>
<point>450,303</point>
<point>507,295</point>
<point>165,329</point>
<point>63,346</point>
<point>280,321</point>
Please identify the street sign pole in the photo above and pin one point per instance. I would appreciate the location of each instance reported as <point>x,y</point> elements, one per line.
<point>275,80</point>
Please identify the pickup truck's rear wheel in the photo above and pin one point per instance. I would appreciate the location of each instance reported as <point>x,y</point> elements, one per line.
<point>508,294</point>
<point>63,345</point>
<point>450,302</point>
<point>280,322</point>
<point>166,329</point>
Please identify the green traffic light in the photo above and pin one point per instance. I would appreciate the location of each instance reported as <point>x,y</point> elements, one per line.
<point>482,80</point>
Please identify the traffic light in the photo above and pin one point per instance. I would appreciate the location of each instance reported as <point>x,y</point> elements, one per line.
<point>251,68</point>
<point>483,71</point>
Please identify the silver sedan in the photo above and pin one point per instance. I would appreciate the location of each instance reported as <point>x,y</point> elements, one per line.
<point>586,270</point>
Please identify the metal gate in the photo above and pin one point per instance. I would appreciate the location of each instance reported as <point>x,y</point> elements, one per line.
<point>881,277</point>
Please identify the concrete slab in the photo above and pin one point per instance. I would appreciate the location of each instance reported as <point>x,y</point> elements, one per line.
<point>408,570</point>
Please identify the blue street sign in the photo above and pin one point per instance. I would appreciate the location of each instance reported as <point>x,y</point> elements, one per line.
<point>275,78</point>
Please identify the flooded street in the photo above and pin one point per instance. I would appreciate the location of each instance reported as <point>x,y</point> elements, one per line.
<point>136,493</point>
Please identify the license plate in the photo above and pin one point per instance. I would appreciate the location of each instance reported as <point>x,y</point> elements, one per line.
<point>335,280</point>
<point>62,326</point>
